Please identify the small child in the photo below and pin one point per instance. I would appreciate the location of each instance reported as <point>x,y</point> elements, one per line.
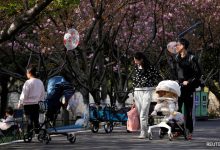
<point>8,121</point>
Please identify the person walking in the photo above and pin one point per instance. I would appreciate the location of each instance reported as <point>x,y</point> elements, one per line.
<point>33,91</point>
<point>144,81</point>
<point>188,73</point>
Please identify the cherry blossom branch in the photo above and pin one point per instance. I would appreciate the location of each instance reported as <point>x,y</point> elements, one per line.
<point>24,20</point>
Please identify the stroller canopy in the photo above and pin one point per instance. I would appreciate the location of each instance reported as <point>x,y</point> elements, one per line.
<point>53,81</point>
<point>59,86</point>
<point>169,86</point>
<point>56,88</point>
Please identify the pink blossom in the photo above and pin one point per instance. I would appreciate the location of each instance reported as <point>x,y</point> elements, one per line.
<point>170,14</point>
<point>10,44</point>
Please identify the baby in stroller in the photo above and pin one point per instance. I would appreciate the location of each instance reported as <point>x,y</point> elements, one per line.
<point>167,105</point>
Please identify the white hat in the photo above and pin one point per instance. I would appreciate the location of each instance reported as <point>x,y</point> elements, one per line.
<point>169,86</point>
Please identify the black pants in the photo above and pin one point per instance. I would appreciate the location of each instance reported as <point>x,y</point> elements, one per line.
<point>187,98</point>
<point>32,116</point>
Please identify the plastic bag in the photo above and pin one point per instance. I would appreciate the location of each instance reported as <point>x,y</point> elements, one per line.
<point>133,123</point>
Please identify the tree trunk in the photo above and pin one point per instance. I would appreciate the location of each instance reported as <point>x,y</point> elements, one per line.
<point>213,88</point>
<point>4,94</point>
<point>85,95</point>
<point>65,117</point>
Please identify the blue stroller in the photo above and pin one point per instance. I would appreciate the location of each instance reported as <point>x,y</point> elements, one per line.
<point>57,87</point>
<point>106,116</point>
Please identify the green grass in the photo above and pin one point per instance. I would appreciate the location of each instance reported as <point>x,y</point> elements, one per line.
<point>9,138</point>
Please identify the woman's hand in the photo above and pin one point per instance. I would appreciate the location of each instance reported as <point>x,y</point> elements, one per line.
<point>20,106</point>
<point>185,82</point>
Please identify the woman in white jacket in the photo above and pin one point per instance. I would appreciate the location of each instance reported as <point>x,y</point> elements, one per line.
<point>33,91</point>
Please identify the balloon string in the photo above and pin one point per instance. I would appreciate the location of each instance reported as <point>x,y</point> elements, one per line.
<point>29,60</point>
<point>64,62</point>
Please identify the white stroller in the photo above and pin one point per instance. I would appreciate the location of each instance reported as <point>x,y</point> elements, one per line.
<point>167,104</point>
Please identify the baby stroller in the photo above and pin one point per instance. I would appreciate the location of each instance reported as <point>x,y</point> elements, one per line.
<point>57,87</point>
<point>165,115</point>
<point>100,115</point>
<point>14,132</point>
<point>107,116</point>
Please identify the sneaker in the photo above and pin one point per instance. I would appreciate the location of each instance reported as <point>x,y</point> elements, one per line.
<point>142,135</point>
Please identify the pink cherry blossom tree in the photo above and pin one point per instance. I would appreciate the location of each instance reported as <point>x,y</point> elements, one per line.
<point>110,32</point>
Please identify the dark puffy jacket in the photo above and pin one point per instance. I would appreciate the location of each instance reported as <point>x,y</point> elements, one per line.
<point>187,69</point>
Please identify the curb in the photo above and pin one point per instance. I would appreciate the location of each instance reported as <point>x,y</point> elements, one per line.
<point>214,119</point>
<point>75,131</point>
<point>67,130</point>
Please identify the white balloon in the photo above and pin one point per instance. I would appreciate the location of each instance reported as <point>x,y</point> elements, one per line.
<point>67,36</point>
<point>71,39</point>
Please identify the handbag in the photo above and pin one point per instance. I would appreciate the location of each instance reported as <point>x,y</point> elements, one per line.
<point>133,123</point>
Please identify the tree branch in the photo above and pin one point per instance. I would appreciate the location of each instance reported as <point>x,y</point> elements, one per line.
<point>23,20</point>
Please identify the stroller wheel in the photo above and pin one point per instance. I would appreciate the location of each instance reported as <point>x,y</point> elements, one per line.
<point>46,139</point>
<point>94,128</point>
<point>108,127</point>
<point>150,137</point>
<point>41,135</point>
<point>71,138</point>
<point>27,137</point>
<point>170,136</point>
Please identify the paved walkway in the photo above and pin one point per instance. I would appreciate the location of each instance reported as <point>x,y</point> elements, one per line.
<point>206,136</point>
